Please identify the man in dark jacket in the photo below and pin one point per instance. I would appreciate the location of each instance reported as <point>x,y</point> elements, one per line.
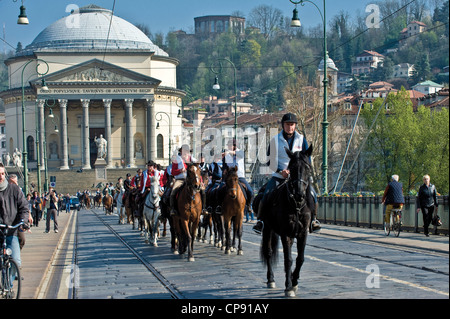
<point>393,197</point>
<point>13,209</point>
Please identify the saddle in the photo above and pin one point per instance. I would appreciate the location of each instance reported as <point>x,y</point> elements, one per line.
<point>275,196</point>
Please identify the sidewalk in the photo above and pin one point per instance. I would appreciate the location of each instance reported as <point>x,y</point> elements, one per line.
<point>433,243</point>
<point>38,253</point>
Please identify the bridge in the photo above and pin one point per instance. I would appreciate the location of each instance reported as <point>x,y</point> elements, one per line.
<point>368,212</point>
<point>93,257</point>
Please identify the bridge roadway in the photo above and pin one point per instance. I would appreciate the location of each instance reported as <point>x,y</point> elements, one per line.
<point>341,262</point>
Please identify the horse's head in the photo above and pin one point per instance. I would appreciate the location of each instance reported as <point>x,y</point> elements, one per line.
<point>300,170</point>
<point>193,178</point>
<point>154,182</point>
<point>232,182</point>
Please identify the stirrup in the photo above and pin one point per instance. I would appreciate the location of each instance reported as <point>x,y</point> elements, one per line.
<point>258,228</point>
<point>219,210</point>
<point>315,226</point>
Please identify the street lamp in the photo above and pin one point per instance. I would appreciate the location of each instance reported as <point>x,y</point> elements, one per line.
<point>216,86</point>
<point>23,19</point>
<point>24,152</point>
<point>296,23</point>
<point>158,117</point>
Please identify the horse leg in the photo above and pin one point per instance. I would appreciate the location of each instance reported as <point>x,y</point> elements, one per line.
<point>238,230</point>
<point>301,244</point>
<point>287,251</point>
<point>227,226</point>
<point>269,251</point>
<point>185,229</point>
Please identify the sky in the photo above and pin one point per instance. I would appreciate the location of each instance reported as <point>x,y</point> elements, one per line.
<point>159,15</point>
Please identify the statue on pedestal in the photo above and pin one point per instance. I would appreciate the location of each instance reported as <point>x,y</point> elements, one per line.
<point>101,146</point>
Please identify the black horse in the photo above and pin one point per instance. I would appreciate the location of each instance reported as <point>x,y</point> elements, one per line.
<point>287,214</point>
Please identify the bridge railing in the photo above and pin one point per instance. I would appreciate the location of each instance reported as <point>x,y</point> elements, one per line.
<point>368,212</point>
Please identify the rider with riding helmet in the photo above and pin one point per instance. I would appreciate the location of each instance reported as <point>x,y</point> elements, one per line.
<point>179,172</point>
<point>294,141</point>
<point>235,157</point>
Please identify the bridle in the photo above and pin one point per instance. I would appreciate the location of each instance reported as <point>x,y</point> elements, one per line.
<point>296,195</point>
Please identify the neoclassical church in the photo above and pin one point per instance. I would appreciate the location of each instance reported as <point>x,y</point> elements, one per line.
<point>91,74</point>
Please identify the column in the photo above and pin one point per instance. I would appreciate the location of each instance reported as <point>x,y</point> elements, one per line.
<point>63,136</point>
<point>107,105</point>
<point>85,134</point>
<point>151,130</point>
<point>41,116</point>
<point>129,153</point>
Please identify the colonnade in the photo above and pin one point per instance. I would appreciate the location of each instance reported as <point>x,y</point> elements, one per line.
<point>150,132</point>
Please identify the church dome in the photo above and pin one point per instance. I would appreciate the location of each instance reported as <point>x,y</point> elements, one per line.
<point>92,28</point>
<point>330,65</point>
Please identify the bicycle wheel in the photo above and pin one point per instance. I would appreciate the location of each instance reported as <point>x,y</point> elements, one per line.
<point>397,226</point>
<point>387,227</point>
<point>13,280</point>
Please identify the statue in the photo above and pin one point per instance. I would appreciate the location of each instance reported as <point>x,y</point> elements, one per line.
<point>138,149</point>
<point>101,147</point>
<point>7,159</point>
<point>17,158</point>
<point>53,150</point>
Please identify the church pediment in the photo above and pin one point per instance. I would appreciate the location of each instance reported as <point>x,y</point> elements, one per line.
<point>96,71</point>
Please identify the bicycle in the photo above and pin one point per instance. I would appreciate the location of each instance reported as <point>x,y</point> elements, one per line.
<point>395,222</point>
<point>11,280</point>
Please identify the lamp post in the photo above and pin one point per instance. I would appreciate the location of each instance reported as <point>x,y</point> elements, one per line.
<point>24,138</point>
<point>216,86</point>
<point>158,117</point>
<point>325,123</point>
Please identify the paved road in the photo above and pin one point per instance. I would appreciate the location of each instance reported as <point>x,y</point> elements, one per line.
<point>341,262</point>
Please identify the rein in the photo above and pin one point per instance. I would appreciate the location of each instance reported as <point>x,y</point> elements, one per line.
<point>291,196</point>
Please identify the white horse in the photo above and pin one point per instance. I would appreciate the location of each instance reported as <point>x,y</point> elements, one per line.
<point>120,209</point>
<point>152,212</point>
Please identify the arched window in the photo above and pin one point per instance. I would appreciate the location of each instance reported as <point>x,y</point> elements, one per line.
<point>160,146</point>
<point>30,148</point>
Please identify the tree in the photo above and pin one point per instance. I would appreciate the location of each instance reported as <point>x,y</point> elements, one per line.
<point>410,144</point>
<point>267,18</point>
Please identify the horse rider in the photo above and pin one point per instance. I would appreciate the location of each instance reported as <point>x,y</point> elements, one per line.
<point>136,179</point>
<point>215,172</point>
<point>127,186</point>
<point>204,167</point>
<point>234,157</point>
<point>179,172</point>
<point>145,182</point>
<point>294,141</point>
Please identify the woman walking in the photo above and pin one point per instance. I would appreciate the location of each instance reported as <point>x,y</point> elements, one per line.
<point>427,202</point>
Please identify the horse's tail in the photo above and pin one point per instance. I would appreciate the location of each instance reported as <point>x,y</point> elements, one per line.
<point>269,248</point>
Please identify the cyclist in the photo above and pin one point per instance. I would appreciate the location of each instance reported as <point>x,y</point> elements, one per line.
<point>393,197</point>
<point>13,209</point>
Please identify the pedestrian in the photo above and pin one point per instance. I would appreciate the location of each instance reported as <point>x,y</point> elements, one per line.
<point>427,202</point>
<point>52,209</point>
<point>67,203</point>
<point>36,208</point>
<point>13,209</point>
<point>393,197</point>
<point>21,234</point>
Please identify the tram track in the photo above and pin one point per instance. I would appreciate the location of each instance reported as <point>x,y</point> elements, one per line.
<point>173,291</point>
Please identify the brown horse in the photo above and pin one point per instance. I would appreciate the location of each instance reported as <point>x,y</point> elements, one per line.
<point>98,200</point>
<point>233,207</point>
<point>189,204</point>
<point>86,200</point>
<point>107,201</point>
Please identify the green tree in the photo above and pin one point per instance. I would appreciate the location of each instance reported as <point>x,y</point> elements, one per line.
<point>408,143</point>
